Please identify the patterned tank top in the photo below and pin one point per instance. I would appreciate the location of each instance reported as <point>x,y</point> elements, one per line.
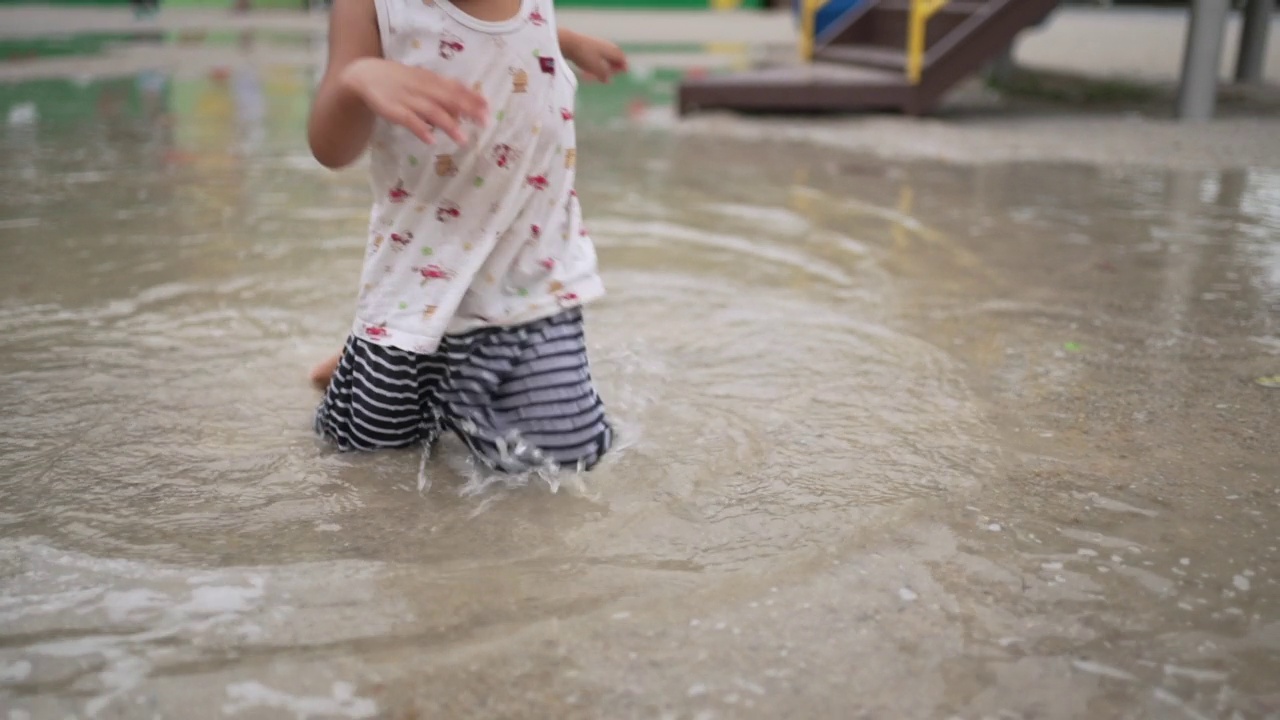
<point>484,235</point>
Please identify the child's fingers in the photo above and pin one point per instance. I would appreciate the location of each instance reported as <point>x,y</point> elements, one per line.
<point>411,121</point>
<point>457,99</point>
<point>462,101</point>
<point>598,69</point>
<point>458,135</point>
<point>442,120</point>
<point>614,57</point>
<point>476,107</point>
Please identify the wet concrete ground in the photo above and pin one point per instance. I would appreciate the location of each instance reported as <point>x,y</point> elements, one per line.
<point>940,440</point>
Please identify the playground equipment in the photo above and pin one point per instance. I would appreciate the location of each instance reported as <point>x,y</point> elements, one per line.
<point>821,15</point>
<point>899,55</point>
<point>906,54</point>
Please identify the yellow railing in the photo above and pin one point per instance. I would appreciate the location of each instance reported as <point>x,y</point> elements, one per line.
<point>808,26</point>
<point>918,21</point>
<point>921,11</point>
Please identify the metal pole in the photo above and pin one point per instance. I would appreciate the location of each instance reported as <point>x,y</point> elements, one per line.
<point>1201,58</point>
<point>1253,40</point>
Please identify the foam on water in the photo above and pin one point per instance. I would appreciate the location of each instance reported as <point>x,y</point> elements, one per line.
<point>342,702</point>
<point>112,624</point>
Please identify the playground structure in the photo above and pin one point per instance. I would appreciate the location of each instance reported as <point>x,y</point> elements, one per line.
<point>901,55</point>
<point>905,55</point>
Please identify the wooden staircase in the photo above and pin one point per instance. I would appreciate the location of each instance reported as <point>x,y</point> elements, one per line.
<point>860,63</point>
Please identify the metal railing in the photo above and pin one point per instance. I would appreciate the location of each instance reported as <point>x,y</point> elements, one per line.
<point>808,26</point>
<point>921,11</point>
<point>917,23</point>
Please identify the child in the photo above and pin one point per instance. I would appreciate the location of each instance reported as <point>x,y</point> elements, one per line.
<point>468,317</point>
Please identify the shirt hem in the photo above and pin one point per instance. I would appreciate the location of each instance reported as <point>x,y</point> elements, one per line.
<point>572,296</point>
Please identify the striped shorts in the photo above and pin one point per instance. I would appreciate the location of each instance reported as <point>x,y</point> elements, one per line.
<point>520,398</point>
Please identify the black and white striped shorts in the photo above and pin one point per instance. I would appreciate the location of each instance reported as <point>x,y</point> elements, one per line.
<point>518,397</point>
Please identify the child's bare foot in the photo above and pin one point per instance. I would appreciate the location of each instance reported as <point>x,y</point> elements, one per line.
<point>322,373</point>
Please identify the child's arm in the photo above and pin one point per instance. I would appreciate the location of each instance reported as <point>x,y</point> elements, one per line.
<point>359,84</point>
<point>341,124</point>
<point>599,59</point>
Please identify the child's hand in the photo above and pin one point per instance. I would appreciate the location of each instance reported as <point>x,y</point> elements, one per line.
<point>598,59</point>
<point>417,99</point>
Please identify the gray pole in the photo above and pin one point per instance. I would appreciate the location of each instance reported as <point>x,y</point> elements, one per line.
<point>1201,58</point>
<point>1253,40</point>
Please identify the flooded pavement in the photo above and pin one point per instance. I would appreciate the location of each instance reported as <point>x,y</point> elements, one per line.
<point>896,439</point>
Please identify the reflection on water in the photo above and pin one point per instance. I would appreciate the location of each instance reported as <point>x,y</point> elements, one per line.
<point>905,441</point>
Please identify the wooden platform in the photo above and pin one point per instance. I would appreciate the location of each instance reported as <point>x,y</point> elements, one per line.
<point>860,62</point>
<point>819,87</point>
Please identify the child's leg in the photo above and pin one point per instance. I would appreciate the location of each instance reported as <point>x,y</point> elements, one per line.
<point>322,373</point>
<point>375,400</point>
<point>524,395</point>
<point>551,398</point>
<point>474,366</point>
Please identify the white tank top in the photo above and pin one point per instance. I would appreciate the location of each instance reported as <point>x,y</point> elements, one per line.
<point>486,235</point>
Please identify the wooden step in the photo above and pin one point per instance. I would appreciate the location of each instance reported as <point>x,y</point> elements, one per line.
<point>868,56</point>
<point>955,7</point>
<point>886,24</point>
<point>819,87</point>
